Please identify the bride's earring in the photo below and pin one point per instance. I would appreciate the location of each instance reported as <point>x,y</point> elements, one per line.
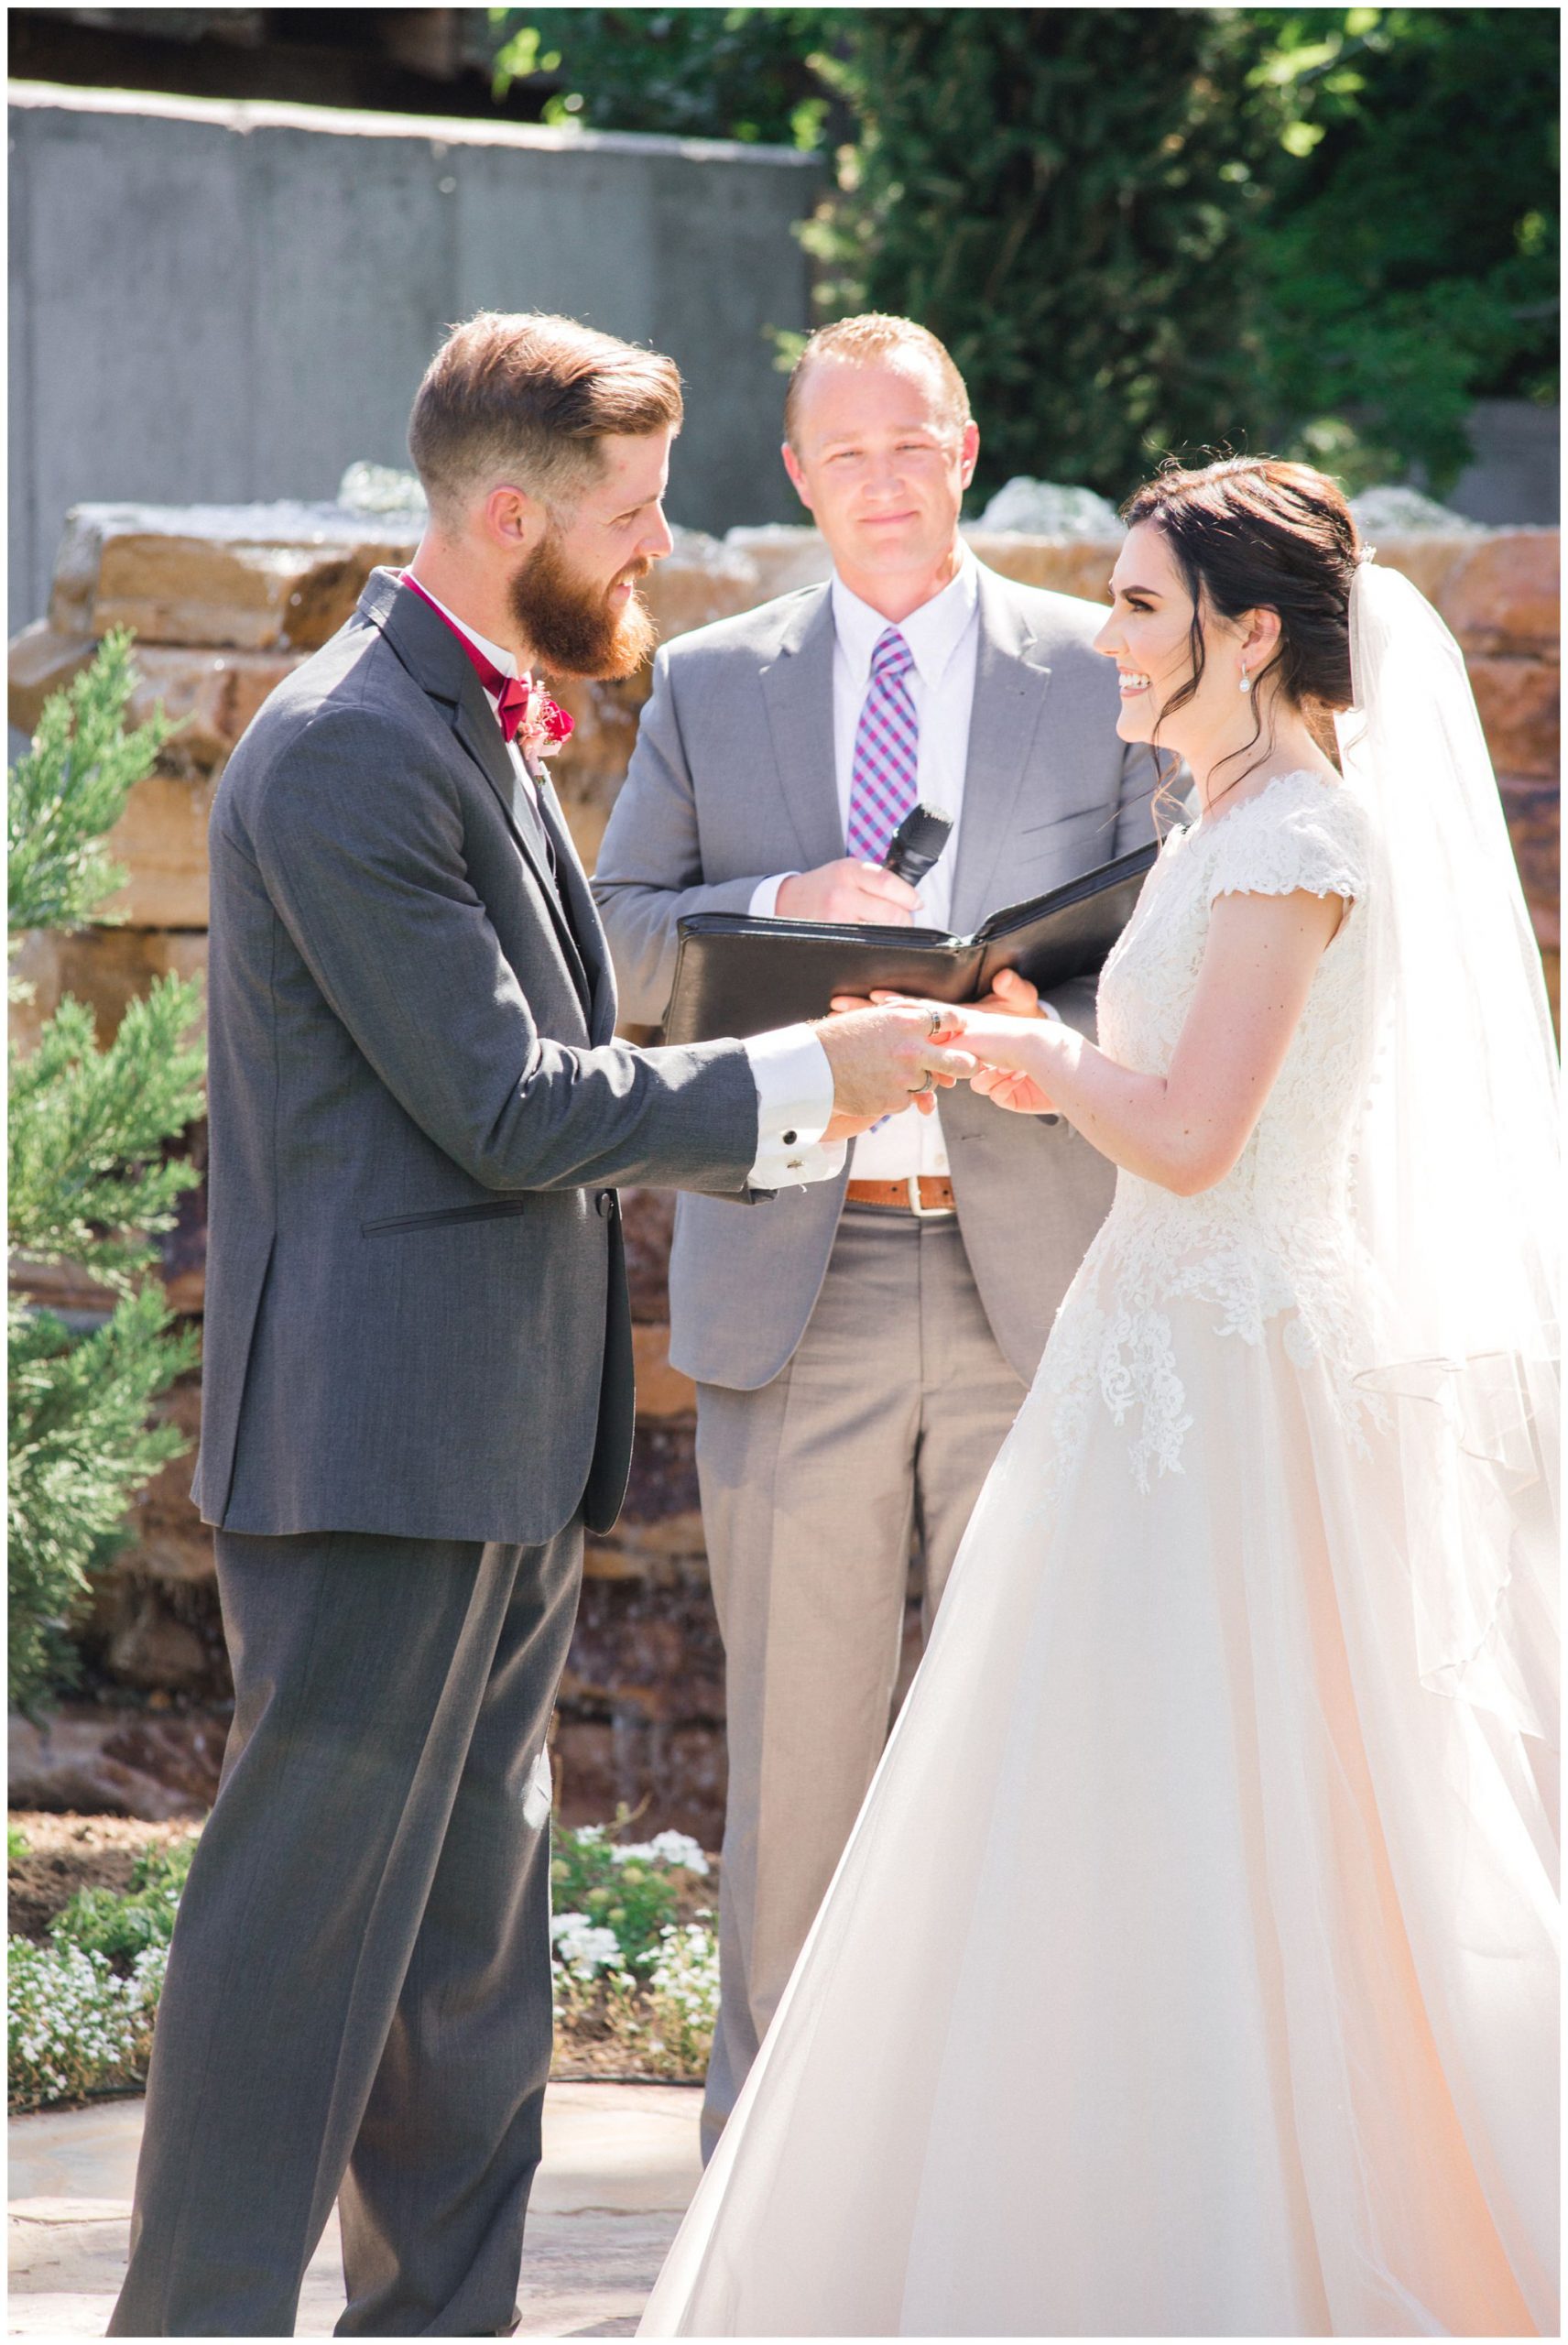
<point>1245,683</point>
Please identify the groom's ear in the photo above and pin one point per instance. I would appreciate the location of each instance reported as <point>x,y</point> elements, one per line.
<point>513,521</point>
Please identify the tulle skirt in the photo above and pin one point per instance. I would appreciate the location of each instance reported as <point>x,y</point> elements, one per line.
<point>1191,1970</point>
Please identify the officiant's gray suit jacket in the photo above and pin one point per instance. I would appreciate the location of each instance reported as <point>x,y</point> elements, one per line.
<point>734,779</point>
<point>416,1320</point>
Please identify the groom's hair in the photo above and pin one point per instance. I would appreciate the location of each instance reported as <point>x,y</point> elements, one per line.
<point>525,400</point>
<point>869,339</point>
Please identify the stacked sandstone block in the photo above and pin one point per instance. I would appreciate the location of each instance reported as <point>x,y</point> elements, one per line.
<point>224,603</point>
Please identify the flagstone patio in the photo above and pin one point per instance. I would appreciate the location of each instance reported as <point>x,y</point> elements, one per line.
<point>620,2164</point>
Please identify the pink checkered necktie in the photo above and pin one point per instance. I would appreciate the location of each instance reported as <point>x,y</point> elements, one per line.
<point>885,777</point>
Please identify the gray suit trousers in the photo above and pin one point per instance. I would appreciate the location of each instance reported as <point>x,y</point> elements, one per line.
<point>881,1428</point>
<point>358,2001</point>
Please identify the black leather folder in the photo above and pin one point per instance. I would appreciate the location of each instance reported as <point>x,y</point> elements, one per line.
<point>736,975</point>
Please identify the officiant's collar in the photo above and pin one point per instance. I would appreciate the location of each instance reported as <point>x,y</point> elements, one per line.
<point>933,633</point>
<point>496,653</point>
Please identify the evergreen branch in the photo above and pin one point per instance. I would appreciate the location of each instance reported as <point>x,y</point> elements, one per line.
<point>80,1447</point>
<point>88,1181</point>
<point>69,789</point>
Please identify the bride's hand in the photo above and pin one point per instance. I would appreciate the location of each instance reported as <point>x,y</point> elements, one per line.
<point>1012,1051</point>
<point>1006,1087</point>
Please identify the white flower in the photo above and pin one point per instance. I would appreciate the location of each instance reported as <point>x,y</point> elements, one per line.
<point>583,1948</point>
<point>665,1848</point>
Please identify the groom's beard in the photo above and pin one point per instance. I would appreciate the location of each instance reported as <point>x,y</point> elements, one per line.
<point>571,625</point>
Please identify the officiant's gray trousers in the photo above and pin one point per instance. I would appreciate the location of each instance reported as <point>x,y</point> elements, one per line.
<point>358,2001</point>
<point>882,1426</point>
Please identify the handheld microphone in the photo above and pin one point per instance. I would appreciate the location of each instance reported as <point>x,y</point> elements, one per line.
<point>917,843</point>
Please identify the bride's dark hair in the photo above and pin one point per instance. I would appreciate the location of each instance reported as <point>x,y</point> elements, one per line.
<point>1255,533</point>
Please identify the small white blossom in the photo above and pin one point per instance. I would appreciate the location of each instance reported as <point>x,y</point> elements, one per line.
<point>583,1948</point>
<point>73,2024</point>
<point>666,1848</point>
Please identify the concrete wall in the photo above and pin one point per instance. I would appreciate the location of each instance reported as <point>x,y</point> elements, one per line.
<point>220,303</point>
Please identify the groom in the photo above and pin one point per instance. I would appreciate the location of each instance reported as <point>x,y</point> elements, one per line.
<point>418,1364</point>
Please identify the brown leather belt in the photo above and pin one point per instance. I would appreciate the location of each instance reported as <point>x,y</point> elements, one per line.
<point>922,1194</point>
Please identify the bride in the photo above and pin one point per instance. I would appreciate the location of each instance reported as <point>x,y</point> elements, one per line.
<point>1190,1971</point>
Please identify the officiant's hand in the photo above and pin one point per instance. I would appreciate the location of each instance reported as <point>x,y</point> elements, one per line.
<point>1014,998</point>
<point>848,891</point>
<point>881,1058</point>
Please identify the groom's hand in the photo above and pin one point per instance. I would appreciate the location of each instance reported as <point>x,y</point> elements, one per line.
<point>881,1058</point>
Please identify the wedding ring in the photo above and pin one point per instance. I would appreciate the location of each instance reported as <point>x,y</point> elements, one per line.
<point>937,1021</point>
<point>929,1084</point>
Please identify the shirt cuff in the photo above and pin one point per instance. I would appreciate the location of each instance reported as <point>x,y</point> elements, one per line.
<point>763,904</point>
<point>794,1103</point>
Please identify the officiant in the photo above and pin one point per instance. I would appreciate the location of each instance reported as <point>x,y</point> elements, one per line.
<point>860,1347</point>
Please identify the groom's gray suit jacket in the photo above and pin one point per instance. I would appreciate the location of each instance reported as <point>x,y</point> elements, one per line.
<point>417,1319</point>
<point>734,779</point>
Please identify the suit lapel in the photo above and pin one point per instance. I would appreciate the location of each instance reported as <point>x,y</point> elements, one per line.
<point>431,653</point>
<point>476,728</point>
<point>798,690</point>
<point>584,913</point>
<point>1011,686</point>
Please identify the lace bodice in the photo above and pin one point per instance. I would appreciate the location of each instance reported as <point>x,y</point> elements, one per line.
<point>1277,1234</point>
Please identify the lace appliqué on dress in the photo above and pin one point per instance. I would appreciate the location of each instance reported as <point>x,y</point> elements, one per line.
<point>1276,1236</point>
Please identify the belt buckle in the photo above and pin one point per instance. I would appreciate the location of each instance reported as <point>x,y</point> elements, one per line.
<point>920,1212</point>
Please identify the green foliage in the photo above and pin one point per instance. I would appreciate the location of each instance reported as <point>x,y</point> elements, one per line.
<point>1326,231</point>
<point>70,787</point>
<point>165,1865</point>
<point>88,1183</point>
<point>121,1925</point>
<point>80,1445</point>
<point>91,1183</point>
<point>628,1973</point>
<point>1063,195</point>
<point>119,1928</point>
<point>17,1845</point>
<point>1411,261</point>
<point>626,1890</point>
<point>81,2009</point>
<point>742,73</point>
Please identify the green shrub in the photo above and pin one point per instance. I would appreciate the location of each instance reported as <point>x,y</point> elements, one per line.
<point>624,1891</point>
<point>165,1864</point>
<point>1325,231</point>
<point>119,1928</point>
<point>626,1971</point>
<point>91,1181</point>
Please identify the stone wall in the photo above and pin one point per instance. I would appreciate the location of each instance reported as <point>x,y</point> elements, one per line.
<point>224,603</point>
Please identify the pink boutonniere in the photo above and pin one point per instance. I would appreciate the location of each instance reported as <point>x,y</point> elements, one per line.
<point>543,727</point>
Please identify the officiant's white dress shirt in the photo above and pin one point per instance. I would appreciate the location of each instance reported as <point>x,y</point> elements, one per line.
<point>943,636</point>
<point>789,1067</point>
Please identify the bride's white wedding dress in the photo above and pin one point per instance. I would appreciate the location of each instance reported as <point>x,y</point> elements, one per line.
<point>1190,1970</point>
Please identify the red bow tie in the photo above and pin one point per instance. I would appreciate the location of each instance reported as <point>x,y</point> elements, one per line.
<point>510,693</point>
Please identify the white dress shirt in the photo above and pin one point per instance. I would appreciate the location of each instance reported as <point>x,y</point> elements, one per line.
<point>943,636</point>
<point>789,1067</point>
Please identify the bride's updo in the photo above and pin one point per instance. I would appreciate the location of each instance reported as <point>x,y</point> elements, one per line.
<point>1252,532</point>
